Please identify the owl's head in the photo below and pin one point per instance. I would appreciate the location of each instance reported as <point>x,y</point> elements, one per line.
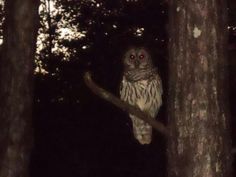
<point>137,58</point>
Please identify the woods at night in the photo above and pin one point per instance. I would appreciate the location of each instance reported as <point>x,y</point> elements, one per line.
<point>52,123</point>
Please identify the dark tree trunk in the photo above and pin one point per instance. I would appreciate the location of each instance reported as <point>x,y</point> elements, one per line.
<point>199,144</point>
<point>16,73</point>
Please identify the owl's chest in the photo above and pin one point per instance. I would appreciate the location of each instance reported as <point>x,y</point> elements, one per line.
<point>139,86</point>
<point>142,87</point>
<point>136,93</point>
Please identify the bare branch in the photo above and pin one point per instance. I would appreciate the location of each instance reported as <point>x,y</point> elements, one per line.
<point>123,105</point>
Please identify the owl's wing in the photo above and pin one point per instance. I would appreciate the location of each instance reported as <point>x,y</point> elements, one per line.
<point>154,92</point>
<point>130,92</point>
<point>123,86</point>
<point>159,83</point>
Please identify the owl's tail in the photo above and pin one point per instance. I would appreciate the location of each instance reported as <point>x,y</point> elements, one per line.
<point>142,130</point>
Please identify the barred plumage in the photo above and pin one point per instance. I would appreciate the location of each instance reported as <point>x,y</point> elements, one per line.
<point>141,86</point>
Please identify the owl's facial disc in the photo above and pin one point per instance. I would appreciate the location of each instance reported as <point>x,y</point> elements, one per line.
<point>143,59</point>
<point>141,56</point>
<point>132,57</point>
<point>137,58</point>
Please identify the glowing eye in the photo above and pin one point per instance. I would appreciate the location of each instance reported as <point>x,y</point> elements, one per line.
<point>141,56</point>
<point>131,57</point>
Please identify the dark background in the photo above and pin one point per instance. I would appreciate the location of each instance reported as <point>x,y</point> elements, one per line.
<point>76,133</point>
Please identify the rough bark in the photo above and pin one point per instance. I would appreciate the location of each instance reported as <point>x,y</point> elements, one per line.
<point>16,73</point>
<point>199,143</point>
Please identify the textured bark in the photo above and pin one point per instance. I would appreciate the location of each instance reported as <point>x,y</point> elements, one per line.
<point>199,144</point>
<point>16,73</point>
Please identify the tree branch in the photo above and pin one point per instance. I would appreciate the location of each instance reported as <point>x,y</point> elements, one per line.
<point>123,105</point>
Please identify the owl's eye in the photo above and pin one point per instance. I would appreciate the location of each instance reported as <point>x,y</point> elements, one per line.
<point>141,56</point>
<point>132,57</point>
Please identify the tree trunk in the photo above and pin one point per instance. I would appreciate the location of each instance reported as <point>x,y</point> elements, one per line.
<point>16,73</point>
<point>199,144</point>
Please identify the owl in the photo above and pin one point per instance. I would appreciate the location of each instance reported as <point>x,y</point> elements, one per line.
<point>141,86</point>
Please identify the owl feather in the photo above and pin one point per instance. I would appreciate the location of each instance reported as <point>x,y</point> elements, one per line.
<point>141,86</point>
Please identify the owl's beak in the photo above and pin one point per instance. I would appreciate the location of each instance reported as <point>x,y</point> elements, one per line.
<point>136,63</point>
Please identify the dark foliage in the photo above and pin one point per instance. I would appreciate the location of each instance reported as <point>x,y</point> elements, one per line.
<point>76,133</point>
